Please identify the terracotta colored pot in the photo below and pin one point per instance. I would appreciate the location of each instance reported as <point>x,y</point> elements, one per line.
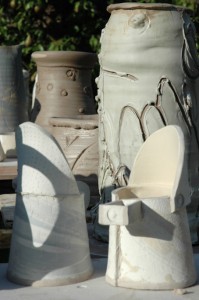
<point>13,108</point>
<point>78,138</point>
<point>140,90</point>
<point>63,86</point>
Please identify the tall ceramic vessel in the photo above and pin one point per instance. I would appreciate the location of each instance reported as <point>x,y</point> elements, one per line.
<point>148,72</point>
<point>13,107</point>
<point>63,85</point>
<point>78,138</point>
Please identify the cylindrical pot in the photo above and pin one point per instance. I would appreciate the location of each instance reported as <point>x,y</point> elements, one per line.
<point>138,252</point>
<point>13,109</point>
<point>63,85</point>
<point>78,138</point>
<point>148,71</point>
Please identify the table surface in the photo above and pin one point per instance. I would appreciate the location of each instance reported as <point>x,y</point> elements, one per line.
<point>8,169</point>
<point>94,288</point>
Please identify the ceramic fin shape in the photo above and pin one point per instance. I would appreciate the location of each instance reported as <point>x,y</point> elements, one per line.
<point>49,241</point>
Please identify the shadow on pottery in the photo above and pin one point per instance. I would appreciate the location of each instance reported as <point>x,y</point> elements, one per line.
<point>49,242</point>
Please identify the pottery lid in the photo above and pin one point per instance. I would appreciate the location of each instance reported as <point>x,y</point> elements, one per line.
<point>65,58</point>
<point>154,6</point>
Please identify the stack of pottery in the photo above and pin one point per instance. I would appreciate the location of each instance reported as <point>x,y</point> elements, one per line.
<point>64,105</point>
<point>140,90</point>
<point>13,101</point>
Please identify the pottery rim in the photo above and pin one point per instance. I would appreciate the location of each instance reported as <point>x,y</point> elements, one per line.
<point>154,6</point>
<point>65,58</point>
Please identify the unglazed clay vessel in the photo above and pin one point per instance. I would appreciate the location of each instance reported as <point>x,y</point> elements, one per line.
<point>63,86</point>
<point>49,242</point>
<point>13,109</point>
<point>78,138</point>
<point>140,90</point>
<point>149,239</point>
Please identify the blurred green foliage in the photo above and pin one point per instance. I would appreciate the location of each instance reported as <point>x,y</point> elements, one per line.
<point>60,25</point>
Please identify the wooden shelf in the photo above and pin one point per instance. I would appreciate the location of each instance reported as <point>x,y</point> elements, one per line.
<point>8,169</point>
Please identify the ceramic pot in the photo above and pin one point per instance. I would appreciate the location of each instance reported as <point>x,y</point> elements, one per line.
<point>78,138</point>
<point>150,245</point>
<point>49,241</point>
<point>139,90</point>
<point>63,85</point>
<point>13,108</point>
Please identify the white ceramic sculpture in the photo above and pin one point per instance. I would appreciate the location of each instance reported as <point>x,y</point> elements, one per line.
<point>49,242</point>
<point>148,79</point>
<point>149,239</point>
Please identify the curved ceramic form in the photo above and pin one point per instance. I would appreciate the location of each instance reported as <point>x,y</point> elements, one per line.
<point>140,91</point>
<point>63,85</point>
<point>49,242</point>
<point>13,102</point>
<point>149,239</point>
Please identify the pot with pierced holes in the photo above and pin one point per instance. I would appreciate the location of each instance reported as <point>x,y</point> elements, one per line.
<point>63,85</point>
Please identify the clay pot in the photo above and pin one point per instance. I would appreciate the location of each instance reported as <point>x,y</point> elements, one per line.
<point>49,241</point>
<point>78,138</point>
<point>13,108</point>
<point>140,90</point>
<point>63,86</point>
<point>150,245</point>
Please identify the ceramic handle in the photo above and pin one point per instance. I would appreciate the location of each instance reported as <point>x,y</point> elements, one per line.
<point>119,212</point>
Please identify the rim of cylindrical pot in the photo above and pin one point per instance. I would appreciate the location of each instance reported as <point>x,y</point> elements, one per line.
<point>11,49</point>
<point>154,6</point>
<point>65,58</point>
<point>76,121</point>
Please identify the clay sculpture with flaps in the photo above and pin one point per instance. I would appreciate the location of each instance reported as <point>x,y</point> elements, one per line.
<point>49,242</point>
<point>149,239</point>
